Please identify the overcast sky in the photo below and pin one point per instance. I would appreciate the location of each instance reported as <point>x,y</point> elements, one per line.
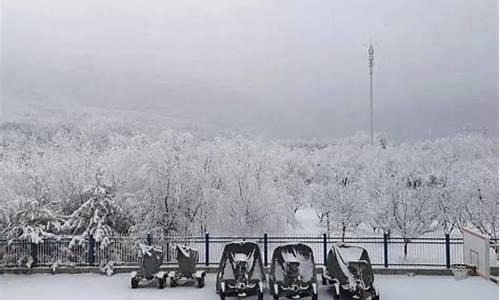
<point>288,68</point>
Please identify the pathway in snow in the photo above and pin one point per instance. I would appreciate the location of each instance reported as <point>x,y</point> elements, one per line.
<point>307,222</point>
<point>93,286</point>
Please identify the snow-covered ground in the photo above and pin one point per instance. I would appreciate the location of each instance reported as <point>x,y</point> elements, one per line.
<point>307,222</point>
<point>93,286</point>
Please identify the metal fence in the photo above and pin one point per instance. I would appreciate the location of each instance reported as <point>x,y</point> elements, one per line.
<point>384,251</point>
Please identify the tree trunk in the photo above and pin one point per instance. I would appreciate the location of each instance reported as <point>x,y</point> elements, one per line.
<point>343,233</point>
<point>328,222</point>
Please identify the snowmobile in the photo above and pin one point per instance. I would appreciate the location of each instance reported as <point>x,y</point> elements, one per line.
<point>350,272</point>
<point>293,272</point>
<point>150,258</point>
<point>187,258</point>
<point>241,271</point>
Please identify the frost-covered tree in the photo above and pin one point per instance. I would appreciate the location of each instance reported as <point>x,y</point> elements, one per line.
<point>447,214</point>
<point>412,211</point>
<point>33,222</point>
<point>293,174</point>
<point>4,217</point>
<point>338,197</point>
<point>250,195</point>
<point>377,180</point>
<point>170,182</point>
<point>167,196</point>
<point>337,186</point>
<point>29,212</point>
<point>294,177</point>
<point>478,189</point>
<point>401,198</point>
<point>99,216</point>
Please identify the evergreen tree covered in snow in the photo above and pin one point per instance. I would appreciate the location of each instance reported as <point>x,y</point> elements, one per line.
<point>99,216</point>
<point>33,222</point>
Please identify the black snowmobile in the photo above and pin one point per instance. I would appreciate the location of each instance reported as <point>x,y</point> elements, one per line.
<point>293,272</point>
<point>350,272</point>
<point>187,258</point>
<point>241,272</point>
<point>150,258</point>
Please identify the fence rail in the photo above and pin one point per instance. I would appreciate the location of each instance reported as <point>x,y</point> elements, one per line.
<point>384,251</point>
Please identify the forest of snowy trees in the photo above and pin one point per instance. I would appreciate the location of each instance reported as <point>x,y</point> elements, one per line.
<point>102,178</point>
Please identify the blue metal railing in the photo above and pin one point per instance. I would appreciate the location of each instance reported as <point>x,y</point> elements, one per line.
<point>385,251</point>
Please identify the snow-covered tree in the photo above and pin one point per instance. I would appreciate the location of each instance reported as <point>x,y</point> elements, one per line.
<point>33,222</point>
<point>479,191</point>
<point>168,182</point>
<point>337,195</point>
<point>412,210</point>
<point>99,216</point>
<point>250,197</point>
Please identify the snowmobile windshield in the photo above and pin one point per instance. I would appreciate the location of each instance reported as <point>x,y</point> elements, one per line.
<point>293,262</point>
<point>241,259</point>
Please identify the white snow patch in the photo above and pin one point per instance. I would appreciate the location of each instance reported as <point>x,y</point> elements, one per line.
<point>307,221</point>
<point>350,253</point>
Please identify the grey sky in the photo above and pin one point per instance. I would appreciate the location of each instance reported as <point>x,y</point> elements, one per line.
<point>277,68</point>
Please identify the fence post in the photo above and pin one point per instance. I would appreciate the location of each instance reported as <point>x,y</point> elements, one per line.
<point>207,249</point>
<point>91,256</point>
<point>265,249</point>
<point>386,250</point>
<point>448,254</point>
<point>34,253</point>
<point>149,239</point>
<point>169,256</point>
<point>325,249</point>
